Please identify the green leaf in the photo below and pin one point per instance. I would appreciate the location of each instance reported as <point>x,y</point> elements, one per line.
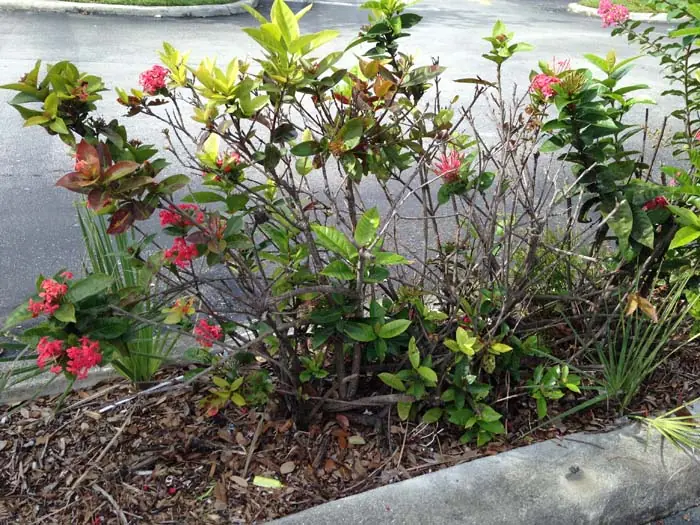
<point>394,328</point>
<point>642,228</point>
<point>59,126</point>
<point>367,226</point>
<point>339,270</point>
<point>541,408</point>
<point>306,149</point>
<point>335,241</point>
<point>413,353</point>
<point>89,286</point>
<point>432,415</point>
<point>238,399</point>
<point>283,17</point>
<point>351,133</point>
<point>465,342</point>
<point>404,410</point>
<point>428,374</point>
<point>488,414</point>
<point>499,348</point>
<point>268,483</point>
<point>203,197</point>
<point>359,332</point>
<point>392,381</point>
<point>684,236</point>
<point>422,75</point>
<point>220,382</point>
<point>597,61</point>
<point>65,313</point>
<point>388,259</point>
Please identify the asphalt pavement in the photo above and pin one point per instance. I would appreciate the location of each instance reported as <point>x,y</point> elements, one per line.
<point>38,228</point>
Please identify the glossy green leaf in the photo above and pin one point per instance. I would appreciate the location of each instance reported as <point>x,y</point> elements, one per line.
<point>367,226</point>
<point>359,332</point>
<point>392,381</point>
<point>394,328</point>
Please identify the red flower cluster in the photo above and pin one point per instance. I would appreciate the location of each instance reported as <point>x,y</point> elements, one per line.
<point>49,351</point>
<point>542,85</point>
<point>206,333</point>
<point>51,296</point>
<point>448,166</point>
<point>655,203</point>
<point>181,252</point>
<point>82,358</point>
<point>77,359</point>
<point>612,14</point>
<point>153,80</point>
<point>171,217</point>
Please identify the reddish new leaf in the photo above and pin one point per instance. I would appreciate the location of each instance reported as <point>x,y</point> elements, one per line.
<point>121,169</point>
<point>121,220</point>
<point>98,199</point>
<point>72,181</point>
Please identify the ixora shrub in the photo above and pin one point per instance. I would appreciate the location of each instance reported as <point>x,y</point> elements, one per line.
<point>289,284</point>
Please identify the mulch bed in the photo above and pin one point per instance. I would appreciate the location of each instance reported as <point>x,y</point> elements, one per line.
<point>161,459</point>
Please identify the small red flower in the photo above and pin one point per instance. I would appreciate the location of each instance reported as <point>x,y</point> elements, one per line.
<point>67,275</point>
<point>655,203</point>
<point>181,253</point>
<point>49,351</point>
<point>206,333</point>
<point>153,80</point>
<point>542,85</point>
<point>171,217</point>
<point>448,166</point>
<point>172,491</point>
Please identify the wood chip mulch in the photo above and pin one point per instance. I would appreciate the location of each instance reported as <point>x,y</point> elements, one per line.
<point>161,459</point>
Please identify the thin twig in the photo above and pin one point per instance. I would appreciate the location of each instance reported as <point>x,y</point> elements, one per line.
<point>108,497</point>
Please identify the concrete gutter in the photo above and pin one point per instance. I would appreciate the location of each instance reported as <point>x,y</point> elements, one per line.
<point>196,11</point>
<point>657,18</point>
<point>617,478</point>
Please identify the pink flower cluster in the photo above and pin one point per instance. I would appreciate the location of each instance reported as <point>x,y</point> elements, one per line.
<point>655,203</point>
<point>206,333</point>
<point>78,360</point>
<point>153,80</point>
<point>612,14</point>
<point>171,217</point>
<point>542,85</point>
<point>51,294</point>
<point>181,252</point>
<point>448,166</point>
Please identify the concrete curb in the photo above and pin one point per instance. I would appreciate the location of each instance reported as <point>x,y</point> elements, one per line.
<point>616,478</point>
<point>59,6</point>
<point>640,17</point>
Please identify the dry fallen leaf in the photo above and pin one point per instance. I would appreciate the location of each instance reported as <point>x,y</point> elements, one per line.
<point>287,467</point>
<point>356,440</point>
<point>239,481</point>
<point>221,497</point>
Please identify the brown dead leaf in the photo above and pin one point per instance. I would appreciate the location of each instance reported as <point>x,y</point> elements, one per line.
<point>330,465</point>
<point>240,481</point>
<point>94,415</point>
<point>287,467</point>
<point>221,502</point>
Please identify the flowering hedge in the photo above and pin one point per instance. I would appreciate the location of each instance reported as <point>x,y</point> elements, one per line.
<point>277,265</point>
